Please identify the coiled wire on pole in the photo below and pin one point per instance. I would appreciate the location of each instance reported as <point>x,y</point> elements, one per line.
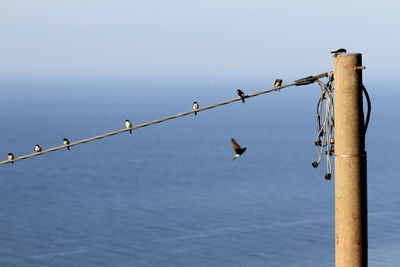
<point>325,140</point>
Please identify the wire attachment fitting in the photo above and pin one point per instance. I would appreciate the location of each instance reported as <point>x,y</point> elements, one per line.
<point>309,79</point>
<point>359,67</point>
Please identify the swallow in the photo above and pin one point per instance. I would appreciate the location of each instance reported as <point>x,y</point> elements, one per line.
<point>38,148</point>
<point>238,149</point>
<point>278,83</point>
<point>241,94</point>
<point>128,125</point>
<point>66,143</point>
<point>338,52</point>
<point>195,107</point>
<point>11,157</point>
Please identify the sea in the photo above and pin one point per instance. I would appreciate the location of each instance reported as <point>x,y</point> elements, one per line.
<point>169,195</point>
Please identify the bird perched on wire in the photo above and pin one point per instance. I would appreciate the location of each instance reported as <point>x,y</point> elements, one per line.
<point>195,107</point>
<point>38,148</point>
<point>241,94</point>
<point>278,83</point>
<point>66,143</point>
<point>11,157</point>
<point>128,125</point>
<point>338,52</point>
<point>237,148</point>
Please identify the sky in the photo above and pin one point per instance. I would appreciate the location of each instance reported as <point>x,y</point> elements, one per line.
<point>184,39</point>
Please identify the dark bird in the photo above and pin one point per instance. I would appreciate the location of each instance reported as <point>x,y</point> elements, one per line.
<point>66,143</point>
<point>11,157</point>
<point>238,149</point>
<point>338,52</point>
<point>38,148</point>
<point>241,94</point>
<point>128,125</point>
<point>195,107</point>
<point>278,83</point>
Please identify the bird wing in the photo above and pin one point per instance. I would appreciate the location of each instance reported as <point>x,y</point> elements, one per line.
<point>235,145</point>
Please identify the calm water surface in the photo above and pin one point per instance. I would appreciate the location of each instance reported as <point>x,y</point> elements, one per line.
<point>170,195</point>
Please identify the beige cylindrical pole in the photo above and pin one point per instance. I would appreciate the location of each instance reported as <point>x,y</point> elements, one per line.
<point>351,241</point>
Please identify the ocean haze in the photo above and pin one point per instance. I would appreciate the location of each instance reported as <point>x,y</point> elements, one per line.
<point>180,38</point>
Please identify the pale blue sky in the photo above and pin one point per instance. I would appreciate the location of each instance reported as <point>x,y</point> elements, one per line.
<point>147,38</point>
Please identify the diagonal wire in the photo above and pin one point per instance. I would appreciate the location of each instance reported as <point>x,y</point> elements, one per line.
<point>155,121</point>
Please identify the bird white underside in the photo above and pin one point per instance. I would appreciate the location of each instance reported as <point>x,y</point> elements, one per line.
<point>237,155</point>
<point>65,143</point>
<point>128,124</point>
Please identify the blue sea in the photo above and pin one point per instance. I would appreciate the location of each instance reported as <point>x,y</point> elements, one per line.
<point>170,194</point>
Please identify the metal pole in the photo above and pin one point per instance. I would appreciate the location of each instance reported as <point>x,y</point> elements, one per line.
<point>351,241</point>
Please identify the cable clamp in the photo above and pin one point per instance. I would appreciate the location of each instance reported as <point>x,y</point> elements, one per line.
<point>305,81</point>
<point>310,79</point>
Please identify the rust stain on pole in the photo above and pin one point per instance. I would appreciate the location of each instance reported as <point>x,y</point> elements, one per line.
<point>350,164</point>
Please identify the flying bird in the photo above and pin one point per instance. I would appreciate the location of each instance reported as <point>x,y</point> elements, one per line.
<point>38,148</point>
<point>11,157</point>
<point>128,125</point>
<point>278,83</point>
<point>338,52</point>
<point>241,94</point>
<point>238,149</point>
<point>66,143</point>
<point>195,107</point>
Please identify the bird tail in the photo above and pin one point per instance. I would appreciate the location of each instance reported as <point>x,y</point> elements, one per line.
<point>195,113</point>
<point>68,148</point>
<point>130,131</point>
<point>243,100</point>
<point>12,162</point>
<point>235,157</point>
